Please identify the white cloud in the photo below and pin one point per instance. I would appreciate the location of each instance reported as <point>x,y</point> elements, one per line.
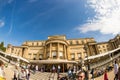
<point>2,23</point>
<point>107,17</point>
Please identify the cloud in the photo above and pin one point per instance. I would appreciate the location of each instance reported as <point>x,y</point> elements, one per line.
<point>2,23</point>
<point>106,19</point>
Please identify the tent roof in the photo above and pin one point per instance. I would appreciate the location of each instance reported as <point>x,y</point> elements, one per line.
<point>15,56</point>
<point>103,54</point>
<point>52,61</point>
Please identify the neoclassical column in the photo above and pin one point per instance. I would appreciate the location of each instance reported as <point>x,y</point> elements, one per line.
<point>57,50</point>
<point>45,54</point>
<point>65,51</point>
<point>50,50</point>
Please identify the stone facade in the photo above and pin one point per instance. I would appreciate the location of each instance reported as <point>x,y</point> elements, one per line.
<point>58,47</point>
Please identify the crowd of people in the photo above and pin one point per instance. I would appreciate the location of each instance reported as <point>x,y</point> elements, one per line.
<point>23,72</point>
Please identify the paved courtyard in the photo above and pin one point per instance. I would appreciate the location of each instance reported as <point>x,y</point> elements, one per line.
<point>44,75</point>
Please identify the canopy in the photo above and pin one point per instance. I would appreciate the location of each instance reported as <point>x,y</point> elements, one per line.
<point>52,61</point>
<point>15,56</point>
<point>103,54</point>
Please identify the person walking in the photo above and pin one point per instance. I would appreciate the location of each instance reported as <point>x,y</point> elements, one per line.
<point>115,70</point>
<point>59,68</point>
<point>53,68</point>
<point>118,73</point>
<point>16,72</point>
<point>22,75</point>
<point>28,74</point>
<point>105,75</point>
<point>2,73</point>
<point>92,73</point>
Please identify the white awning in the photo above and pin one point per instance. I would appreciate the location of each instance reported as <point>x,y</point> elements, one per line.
<point>21,58</point>
<point>102,54</point>
<point>15,56</point>
<point>52,61</point>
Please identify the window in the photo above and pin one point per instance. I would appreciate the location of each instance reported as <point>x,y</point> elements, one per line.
<point>104,50</point>
<point>103,46</point>
<point>79,55</point>
<point>98,46</point>
<point>29,53</point>
<point>73,56</point>
<point>37,44</point>
<point>54,54</point>
<point>85,54</point>
<point>82,42</point>
<point>77,42</point>
<point>35,55</point>
<point>100,51</point>
<point>40,57</point>
<point>70,42</point>
<point>107,46</point>
<point>32,44</point>
<point>61,55</point>
<point>48,55</point>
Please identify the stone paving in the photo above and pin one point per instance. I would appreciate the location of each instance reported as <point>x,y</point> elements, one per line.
<point>110,76</point>
<point>46,76</point>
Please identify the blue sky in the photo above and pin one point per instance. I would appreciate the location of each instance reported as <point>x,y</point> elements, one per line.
<point>22,20</point>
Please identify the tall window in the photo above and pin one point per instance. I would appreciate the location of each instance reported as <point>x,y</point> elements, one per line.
<point>61,55</point>
<point>40,57</point>
<point>82,41</point>
<point>37,44</point>
<point>32,44</point>
<point>73,56</point>
<point>29,55</point>
<point>70,42</point>
<point>79,55</point>
<point>34,56</point>
<point>100,51</point>
<point>48,54</point>
<point>103,46</point>
<point>54,55</point>
<point>85,54</point>
<point>77,42</point>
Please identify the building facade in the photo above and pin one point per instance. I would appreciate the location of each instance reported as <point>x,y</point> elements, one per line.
<point>59,48</point>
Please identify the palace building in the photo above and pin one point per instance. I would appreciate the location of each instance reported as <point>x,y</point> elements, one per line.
<point>58,49</point>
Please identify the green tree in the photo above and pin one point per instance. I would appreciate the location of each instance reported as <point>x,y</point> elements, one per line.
<point>2,46</point>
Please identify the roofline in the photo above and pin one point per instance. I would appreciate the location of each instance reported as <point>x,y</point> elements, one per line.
<point>56,35</point>
<point>80,38</point>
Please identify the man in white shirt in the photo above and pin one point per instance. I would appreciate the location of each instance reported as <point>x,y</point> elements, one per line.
<point>116,70</point>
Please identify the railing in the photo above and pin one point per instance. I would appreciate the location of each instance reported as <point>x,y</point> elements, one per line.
<point>7,60</point>
<point>94,65</point>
